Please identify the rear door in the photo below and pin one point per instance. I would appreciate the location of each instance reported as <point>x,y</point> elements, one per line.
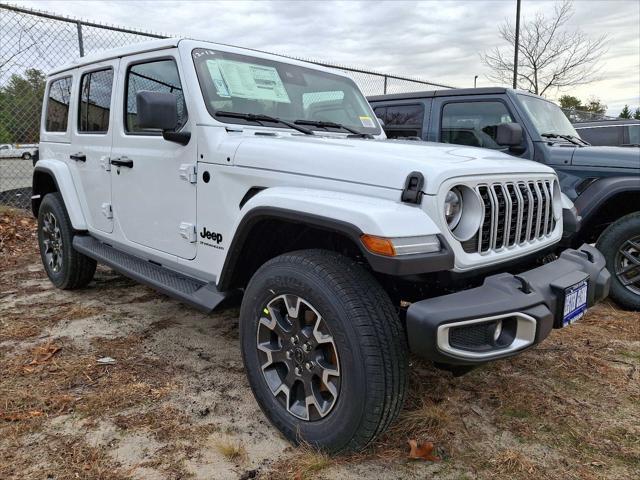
<point>154,190</point>
<point>91,139</point>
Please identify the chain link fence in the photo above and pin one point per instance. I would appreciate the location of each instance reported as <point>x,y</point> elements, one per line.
<point>33,42</point>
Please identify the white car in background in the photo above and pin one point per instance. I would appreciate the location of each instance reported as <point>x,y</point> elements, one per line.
<point>26,152</point>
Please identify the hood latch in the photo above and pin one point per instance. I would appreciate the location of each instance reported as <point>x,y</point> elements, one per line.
<point>413,186</point>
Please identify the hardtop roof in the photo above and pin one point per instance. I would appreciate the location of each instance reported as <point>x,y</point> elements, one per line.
<point>438,93</point>
<point>153,45</point>
<point>110,54</point>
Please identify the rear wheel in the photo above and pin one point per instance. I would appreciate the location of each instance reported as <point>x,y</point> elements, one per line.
<point>65,267</point>
<point>620,244</point>
<point>26,156</point>
<point>324,350</point>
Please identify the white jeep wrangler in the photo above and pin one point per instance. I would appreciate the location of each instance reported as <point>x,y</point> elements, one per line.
<point>202,169</point>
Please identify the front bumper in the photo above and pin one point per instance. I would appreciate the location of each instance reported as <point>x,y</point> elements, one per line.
<point>458,329</point>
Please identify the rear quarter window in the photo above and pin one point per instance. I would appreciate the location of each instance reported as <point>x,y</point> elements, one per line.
<point>58,100</point>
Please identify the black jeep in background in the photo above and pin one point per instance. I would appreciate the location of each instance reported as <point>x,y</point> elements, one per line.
<point>603,182</point>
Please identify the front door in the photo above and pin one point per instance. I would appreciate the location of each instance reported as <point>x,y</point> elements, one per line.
<point>154,194</point>
<point>92,135</point>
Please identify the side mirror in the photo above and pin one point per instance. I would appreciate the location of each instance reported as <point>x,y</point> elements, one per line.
<point>509,134</point>
<point>381,121</point>
<point>159,111</point>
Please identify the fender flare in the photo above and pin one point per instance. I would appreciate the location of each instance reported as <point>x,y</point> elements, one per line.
<point>63,181</point>
<point>597,194</point>
<point>274,203</point>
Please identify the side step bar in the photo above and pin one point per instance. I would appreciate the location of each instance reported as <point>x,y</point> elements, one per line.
<point>201,295</point>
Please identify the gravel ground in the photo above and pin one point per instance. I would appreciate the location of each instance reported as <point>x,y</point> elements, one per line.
<point>175,402</point>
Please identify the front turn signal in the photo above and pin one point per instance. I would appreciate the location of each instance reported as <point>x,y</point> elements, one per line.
<point>379,245</point>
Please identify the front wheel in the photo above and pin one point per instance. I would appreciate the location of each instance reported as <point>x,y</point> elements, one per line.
<point>324,350</point>
<point>26,156</point>
<point>620,244</point>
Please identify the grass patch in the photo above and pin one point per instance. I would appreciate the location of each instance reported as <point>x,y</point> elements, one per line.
<point>232,450</point>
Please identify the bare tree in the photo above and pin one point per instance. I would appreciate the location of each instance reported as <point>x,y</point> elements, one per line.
<point>550,56</point>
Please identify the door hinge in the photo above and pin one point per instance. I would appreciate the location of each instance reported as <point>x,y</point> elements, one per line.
<point>107,211</point>
<point>188,231</point>
<point>413,186</point>
<point>105,162</point>
<point>189,172</point>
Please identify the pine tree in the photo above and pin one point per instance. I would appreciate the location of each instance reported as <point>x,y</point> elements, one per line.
<point>625,113</point>
<point>637,114</point>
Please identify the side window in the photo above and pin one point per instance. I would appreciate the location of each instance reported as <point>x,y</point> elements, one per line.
<point>381,113</point>
<point>95,101</point>
<point>602,136</point>
<point>473,123</point>
<point>58,105</point>
<point>403,120</point>
<point>155,76</point>
<point>633,133</point>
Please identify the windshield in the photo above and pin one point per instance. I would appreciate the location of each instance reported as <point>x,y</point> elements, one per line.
<point>244,84</point>
<point>547,116</point>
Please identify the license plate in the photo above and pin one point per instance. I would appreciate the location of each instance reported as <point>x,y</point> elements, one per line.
<point>575,303</point>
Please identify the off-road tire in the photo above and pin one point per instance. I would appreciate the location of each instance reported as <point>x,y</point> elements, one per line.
<point>610,242</point>
<point>76,270</point>
<point>370,343</point>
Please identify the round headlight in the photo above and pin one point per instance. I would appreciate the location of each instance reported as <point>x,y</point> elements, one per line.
<point>453,207</point>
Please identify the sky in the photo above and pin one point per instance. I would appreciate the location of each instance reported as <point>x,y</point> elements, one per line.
<point>440,41</point>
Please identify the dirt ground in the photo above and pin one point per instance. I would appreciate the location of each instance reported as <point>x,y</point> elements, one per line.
<point>175,403</point>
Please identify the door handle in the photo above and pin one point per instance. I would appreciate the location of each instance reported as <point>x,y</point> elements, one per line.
<point>122,162</point>
<point>78,157</point>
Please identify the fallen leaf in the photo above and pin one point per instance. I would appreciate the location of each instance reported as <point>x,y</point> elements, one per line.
<point>44,353</point>
<point>422,451</point>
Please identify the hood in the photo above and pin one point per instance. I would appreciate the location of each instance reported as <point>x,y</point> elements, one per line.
<point>381,163</point>
<point>620,157</point>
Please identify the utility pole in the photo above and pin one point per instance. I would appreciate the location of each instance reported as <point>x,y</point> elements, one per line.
<point>475,81</point>
<point>515,55</point>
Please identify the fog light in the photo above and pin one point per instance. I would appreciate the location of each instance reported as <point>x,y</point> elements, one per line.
<point>497,331</point>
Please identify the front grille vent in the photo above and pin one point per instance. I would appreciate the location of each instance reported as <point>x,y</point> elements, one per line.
<point>513,213</point>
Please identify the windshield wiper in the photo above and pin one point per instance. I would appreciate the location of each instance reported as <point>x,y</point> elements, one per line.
<point>259,118</point>
<point>327,125</point>
<point>568,138</point>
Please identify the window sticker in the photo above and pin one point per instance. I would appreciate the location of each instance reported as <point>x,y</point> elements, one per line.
<point>218,81</point>
<point>246,80</point>
<point>367,121</point>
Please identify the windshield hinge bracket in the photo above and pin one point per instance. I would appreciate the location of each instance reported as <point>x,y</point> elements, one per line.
<point>189,172</point>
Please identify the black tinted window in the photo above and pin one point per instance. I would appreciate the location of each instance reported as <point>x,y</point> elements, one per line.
<point>58,105</point>
<point>157,76</point>
<point>402,120</point>
<point>603,135</point>
<point>95,101</point>
<point>405,115</point>
<point>473,123</point>
<point>380,112</point>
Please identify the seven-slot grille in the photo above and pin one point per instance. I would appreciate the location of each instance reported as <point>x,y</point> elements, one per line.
<point>513,213</point>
